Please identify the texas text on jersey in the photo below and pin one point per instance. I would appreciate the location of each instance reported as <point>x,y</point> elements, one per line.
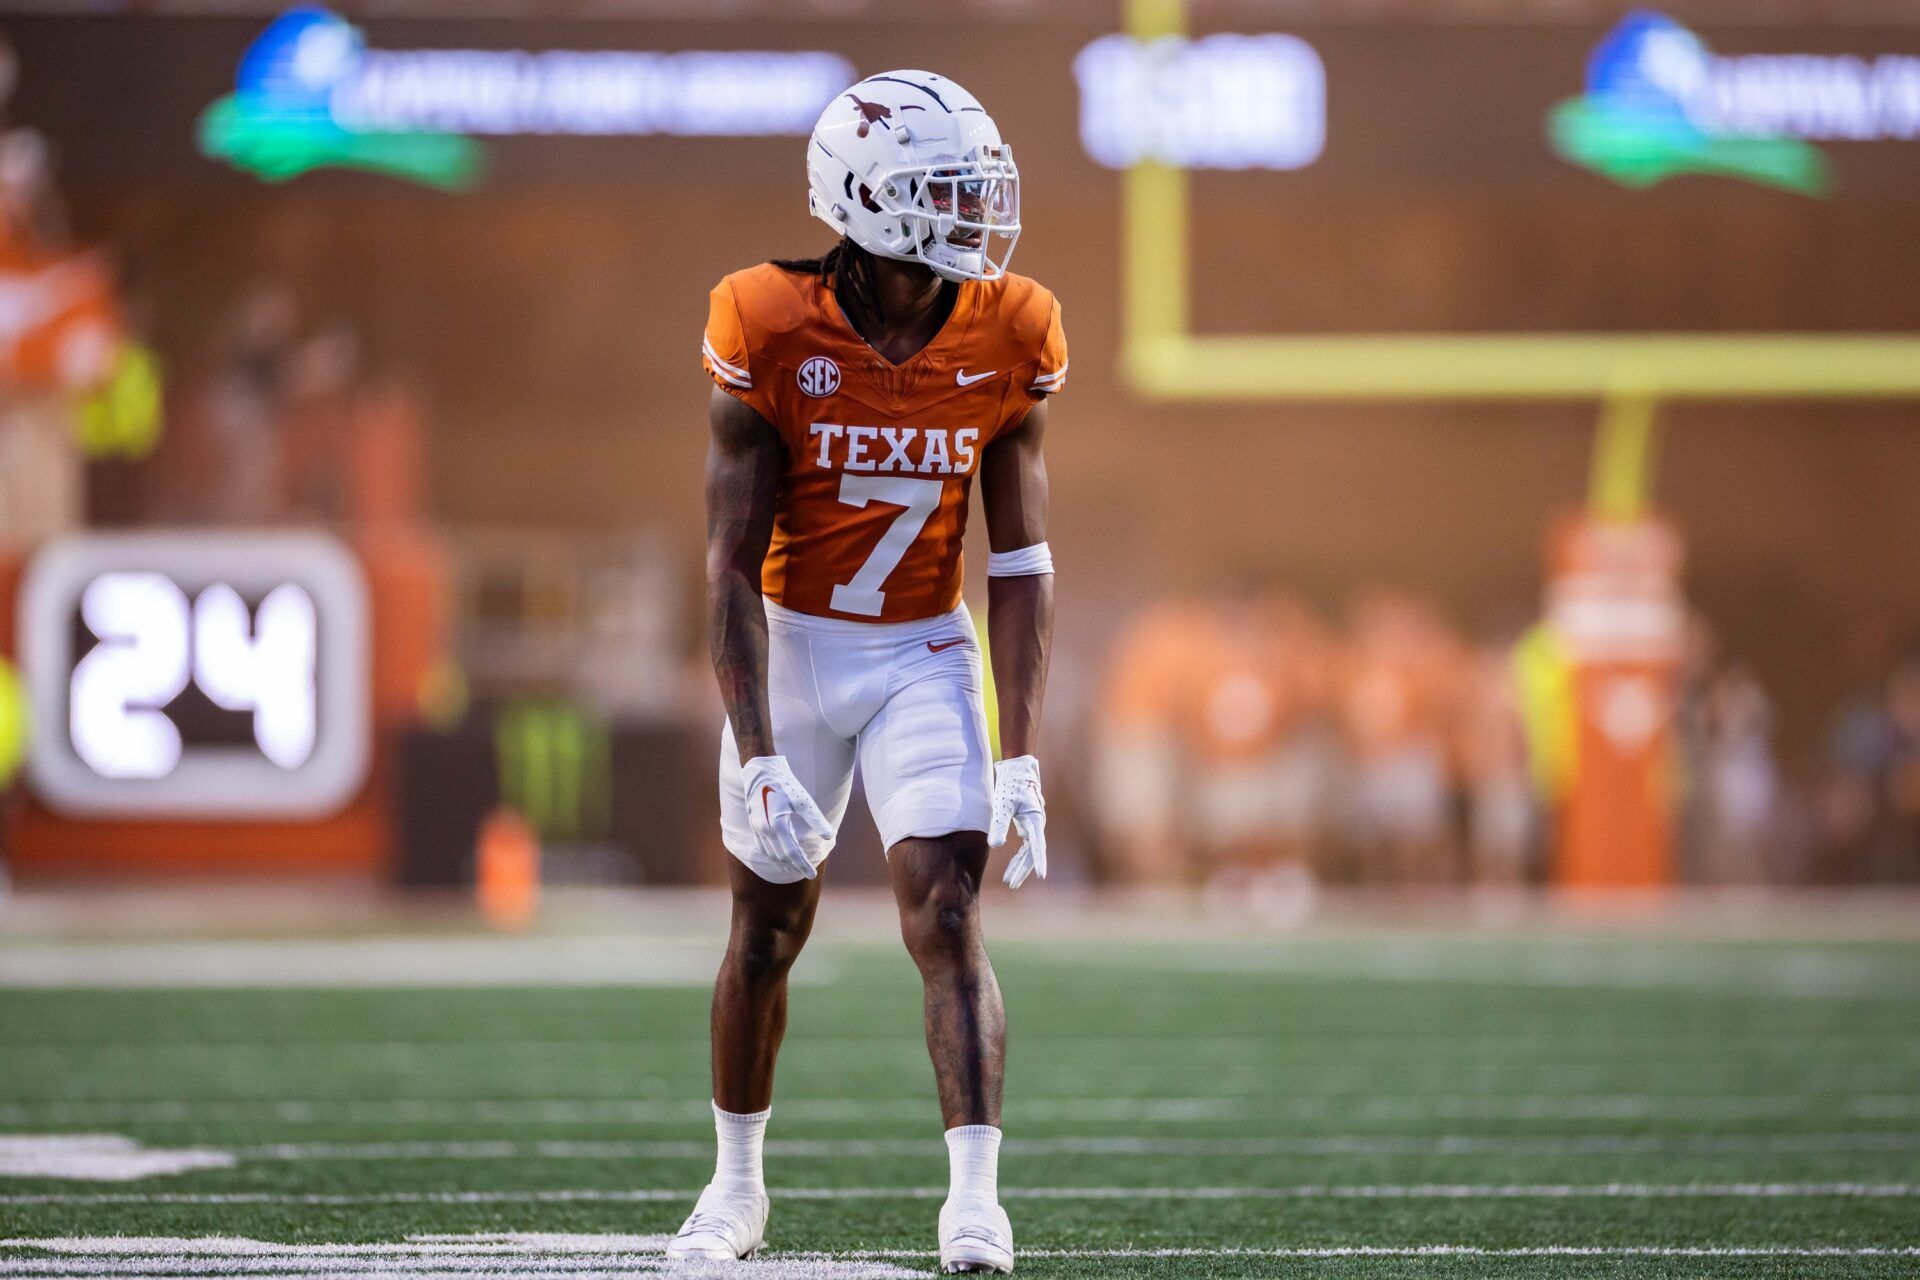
<point>880,457</point>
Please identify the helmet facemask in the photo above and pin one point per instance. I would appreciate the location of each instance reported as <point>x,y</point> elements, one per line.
<point>962,217</point>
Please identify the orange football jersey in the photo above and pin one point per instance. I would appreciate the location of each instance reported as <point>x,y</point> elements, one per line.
<point>880,457</point>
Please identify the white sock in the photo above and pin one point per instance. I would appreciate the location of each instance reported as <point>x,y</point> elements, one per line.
<point>973,1159</point>
<point>738,1167</point>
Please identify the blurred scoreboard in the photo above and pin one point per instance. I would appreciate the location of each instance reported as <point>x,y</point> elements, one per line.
<point>220,698</point>
<point>204,674</point>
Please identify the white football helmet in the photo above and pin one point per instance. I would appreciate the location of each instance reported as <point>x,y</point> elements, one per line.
<point>909,165</point>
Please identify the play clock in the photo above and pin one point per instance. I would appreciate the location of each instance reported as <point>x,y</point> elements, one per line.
<point>203,674</point>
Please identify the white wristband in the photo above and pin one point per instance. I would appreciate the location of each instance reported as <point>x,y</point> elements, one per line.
<point>1023,563</point>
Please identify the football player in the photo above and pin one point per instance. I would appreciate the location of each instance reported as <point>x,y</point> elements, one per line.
<point>856,397</point>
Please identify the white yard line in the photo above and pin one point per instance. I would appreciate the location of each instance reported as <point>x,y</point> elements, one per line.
<point>1238,1109</point>
<point>1305,1191</point>
<point>374,962</point>
<point>111,1157</point>
<point>486,1244</point>
<point>99,1157</point>
<point>386,1265</point>
<point>622,960</point>
<point>1459,1250</point>
<point>624,1256</point>
<point>1813,1054</point>
<point>419,1256</point>
<point>465,1257</point>
<point>1344,1046</point>
<point>1811,975</point>
<point>1547,1146</point>
<point>270,1076</point>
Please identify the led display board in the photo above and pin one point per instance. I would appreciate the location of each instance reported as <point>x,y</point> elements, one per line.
<point>310,94</point>
<point>196,675</point>
<point>1220,102</point>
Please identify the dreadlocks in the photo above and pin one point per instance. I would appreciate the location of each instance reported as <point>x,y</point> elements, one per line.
<point>849,269</point>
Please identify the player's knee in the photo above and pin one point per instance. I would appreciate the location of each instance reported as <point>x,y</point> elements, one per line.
<point>943,922</point>
<point>765,947</point>
<point>766,954</point>
<point>946,922</point>
<point>939,937</point>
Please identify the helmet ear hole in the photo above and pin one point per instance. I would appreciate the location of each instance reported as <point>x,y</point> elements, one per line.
<point>866,198</point>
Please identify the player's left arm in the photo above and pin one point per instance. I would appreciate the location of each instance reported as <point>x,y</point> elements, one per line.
<point>1013,489</point>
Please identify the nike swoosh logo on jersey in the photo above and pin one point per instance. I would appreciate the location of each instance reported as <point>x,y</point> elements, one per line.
<point>962,378</point>
<point>941,648</point>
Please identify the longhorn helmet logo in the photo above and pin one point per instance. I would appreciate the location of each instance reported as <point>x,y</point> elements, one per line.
<point>871,113</point>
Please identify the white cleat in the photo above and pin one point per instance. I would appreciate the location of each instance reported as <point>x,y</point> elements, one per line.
<point>975,1236</point>
<point>725,1225</point>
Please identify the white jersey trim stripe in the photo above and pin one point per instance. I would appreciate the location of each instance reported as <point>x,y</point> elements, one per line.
<point>706,345</point>
<point>731,373</point>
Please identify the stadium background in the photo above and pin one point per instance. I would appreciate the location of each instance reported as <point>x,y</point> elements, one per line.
<point>1310,729</point>
<point>537,323</point>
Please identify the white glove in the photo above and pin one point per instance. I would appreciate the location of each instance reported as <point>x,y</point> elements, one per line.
<point>775,799</point>
<point>1017,801</point>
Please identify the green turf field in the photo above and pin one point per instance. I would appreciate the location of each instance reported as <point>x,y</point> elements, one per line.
<point>1370,1105</point>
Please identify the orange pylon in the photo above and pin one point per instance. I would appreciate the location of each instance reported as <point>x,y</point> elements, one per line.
<point>507,870</point>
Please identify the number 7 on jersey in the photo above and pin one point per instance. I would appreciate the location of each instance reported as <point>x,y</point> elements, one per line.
<point>919,498</point>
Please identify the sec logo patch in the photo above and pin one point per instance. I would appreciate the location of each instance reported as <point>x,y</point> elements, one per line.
<point>819,376</point>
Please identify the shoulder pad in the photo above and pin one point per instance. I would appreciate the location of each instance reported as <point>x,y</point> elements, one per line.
<point>774,301</point>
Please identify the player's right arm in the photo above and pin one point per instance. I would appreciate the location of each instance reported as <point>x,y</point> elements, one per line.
<point>744,459</point>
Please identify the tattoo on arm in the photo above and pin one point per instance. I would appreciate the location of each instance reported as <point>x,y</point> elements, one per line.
<point>744,460</point>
